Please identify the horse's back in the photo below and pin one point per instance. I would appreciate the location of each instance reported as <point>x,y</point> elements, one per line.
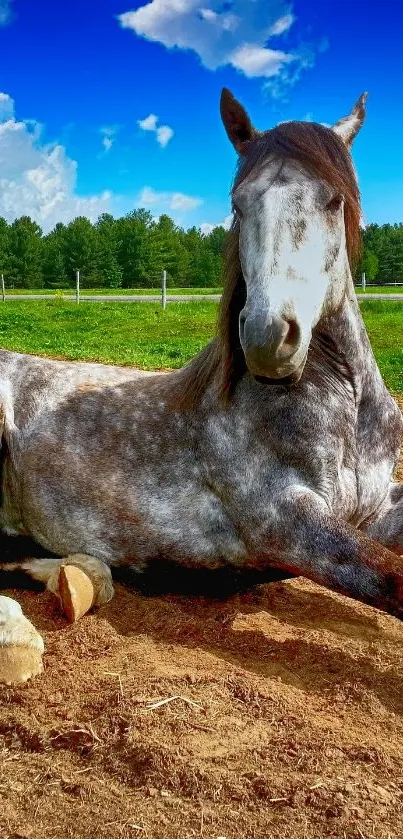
<point>34,384</point>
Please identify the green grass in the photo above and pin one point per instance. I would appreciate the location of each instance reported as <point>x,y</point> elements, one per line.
<point>380,289</point>
<point>143,335</point>
<point>120,292</point>
<point>384,322</point>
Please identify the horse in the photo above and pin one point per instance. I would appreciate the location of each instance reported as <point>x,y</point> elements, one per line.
<point>273,450</point>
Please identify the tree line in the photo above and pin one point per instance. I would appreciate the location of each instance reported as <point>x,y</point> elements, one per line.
<point>382,254</point>
<point>127,252</point>
<point>132,251</point>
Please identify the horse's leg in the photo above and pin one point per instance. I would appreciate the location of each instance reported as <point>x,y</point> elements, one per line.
<point>47,571</point>
<point>21,646</point>
<point>310,542</point>
<point>387,527</point>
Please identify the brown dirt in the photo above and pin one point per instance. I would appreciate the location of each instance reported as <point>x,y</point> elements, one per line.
<point>290,724</point>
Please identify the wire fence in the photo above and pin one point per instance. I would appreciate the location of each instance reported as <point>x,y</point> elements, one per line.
<point>161,289</point>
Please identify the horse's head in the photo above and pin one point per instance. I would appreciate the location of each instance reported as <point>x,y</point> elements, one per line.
<point>297,215</point>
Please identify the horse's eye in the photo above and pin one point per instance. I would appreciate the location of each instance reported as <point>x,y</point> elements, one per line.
<point>335,203</point>
<point>237,210</point>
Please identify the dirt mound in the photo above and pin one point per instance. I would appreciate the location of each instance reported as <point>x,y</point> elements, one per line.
<point>277,714</point>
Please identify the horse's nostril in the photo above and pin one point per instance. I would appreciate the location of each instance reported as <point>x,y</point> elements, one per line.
<point>293,335</point>
<point>242,319</point>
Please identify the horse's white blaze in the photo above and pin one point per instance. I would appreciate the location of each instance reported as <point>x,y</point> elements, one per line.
<point>292,248</point>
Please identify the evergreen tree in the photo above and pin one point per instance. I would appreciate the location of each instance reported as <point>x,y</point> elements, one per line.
<point>25,254</point>
<point>4,246</point>
<point>81,251</point>
<point>173,252</point>
<point>133,251</point>
<point>109,269</point>
<point>54,264</point>
<point>135,254</point>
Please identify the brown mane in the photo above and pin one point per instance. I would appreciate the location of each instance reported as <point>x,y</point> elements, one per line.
<point>324,155</point>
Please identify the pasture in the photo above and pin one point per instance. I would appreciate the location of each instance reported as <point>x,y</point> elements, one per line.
<point>381,289</point>
<point>273,714</point>
<point>142,335</point>
<point>171,290</point>
<point>121,292</point>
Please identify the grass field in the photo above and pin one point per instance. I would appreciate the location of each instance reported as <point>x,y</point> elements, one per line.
<point>384,322</point>
<point>143,335</point>
<point>119,292</point>
<point>380,289</point>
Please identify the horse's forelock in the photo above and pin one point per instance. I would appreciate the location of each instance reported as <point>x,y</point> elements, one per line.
<point>323,154</point>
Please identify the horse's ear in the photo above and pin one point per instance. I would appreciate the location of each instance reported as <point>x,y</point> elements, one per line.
<point>349,126</point>
<point>236,121</point>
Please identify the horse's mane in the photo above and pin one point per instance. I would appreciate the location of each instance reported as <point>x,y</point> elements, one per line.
<point>324,155</point>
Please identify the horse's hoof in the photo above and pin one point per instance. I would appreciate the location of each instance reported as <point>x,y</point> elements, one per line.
<point>76,592</point>
<point>18,664</point>
<point>21,646</point>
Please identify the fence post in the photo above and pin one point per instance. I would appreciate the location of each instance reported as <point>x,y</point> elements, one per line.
<point>77,286</point>
<point>363,283</point>
<point>164,290</point>
<point>3,290</point>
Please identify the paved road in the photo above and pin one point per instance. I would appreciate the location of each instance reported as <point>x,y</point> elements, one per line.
<point>156,298</point>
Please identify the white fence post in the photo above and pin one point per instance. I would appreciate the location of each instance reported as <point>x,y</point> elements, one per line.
<point>3,290</point>
<point>77,286</point>
<point>164,290</point>
<point>363,280</point>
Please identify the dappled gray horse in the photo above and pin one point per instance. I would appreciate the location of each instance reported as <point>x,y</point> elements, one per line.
<point>274,448</point>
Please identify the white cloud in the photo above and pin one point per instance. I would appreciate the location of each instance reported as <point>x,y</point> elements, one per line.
<point>208,227</point>
<point>208,14</point>
<point>5,12</point>
<point>163,132</point>
<point>234,33</point>
<point>149,196</point>
<point>179,201</point>
<point>6,107</point>
<point>164,135</point>
<point>149,123</point>
<point>281,25</point>
<point>223,21</point>
<point>287,76</point>
<point>167,200</point>
<point>259,61</point>
<point>108,133</point>
<point>39,179</point>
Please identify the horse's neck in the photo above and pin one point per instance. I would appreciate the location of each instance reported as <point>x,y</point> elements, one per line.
<point>379,421</point>
<point>347,333</point>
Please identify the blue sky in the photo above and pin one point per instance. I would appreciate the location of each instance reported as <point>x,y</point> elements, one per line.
<point>78,78</point>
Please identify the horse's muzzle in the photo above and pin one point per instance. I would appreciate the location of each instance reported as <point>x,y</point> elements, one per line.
<point>270,344</point>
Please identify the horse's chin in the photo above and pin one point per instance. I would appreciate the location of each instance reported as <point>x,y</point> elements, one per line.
<point>286,381</point>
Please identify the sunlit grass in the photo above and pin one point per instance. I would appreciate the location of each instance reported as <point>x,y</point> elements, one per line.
<point>106,292</point>
<point>121,292</point>
<point>143,335</point>
<point>384,322</point>
<point>380,289</point>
